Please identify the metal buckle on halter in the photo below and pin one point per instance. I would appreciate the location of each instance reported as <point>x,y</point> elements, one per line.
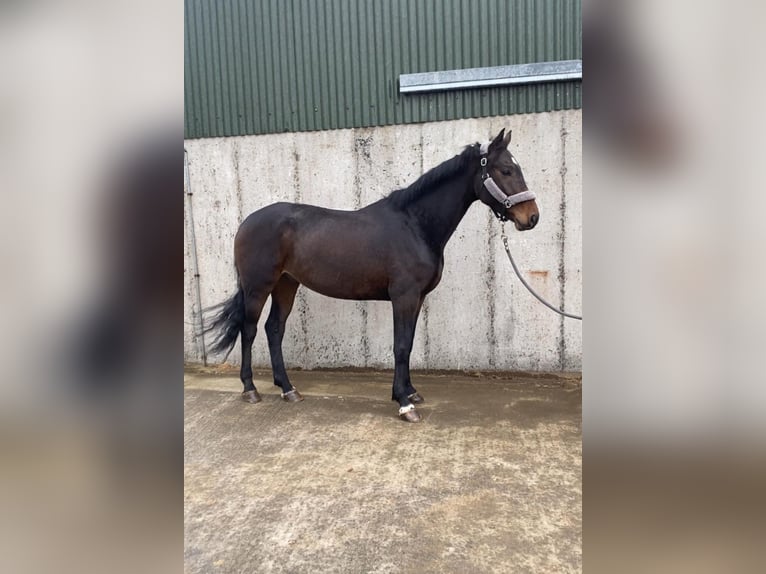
<point>483,163</point>
<point>508,203</point>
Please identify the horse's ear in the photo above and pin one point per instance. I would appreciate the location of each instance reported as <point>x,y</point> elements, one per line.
<point>507,139</point>
<point>498,141</point>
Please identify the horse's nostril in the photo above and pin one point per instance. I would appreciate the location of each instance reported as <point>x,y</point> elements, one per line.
<point>533,219</point>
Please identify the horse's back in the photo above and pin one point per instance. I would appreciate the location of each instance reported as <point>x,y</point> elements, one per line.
<point>278,220</point>
<point>276,232</point>
<point>343,254</point>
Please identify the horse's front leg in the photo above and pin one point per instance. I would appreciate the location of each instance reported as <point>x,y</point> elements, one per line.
<point>406,311</point>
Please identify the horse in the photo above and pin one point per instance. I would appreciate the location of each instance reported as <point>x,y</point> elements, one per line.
<point>390,250</point>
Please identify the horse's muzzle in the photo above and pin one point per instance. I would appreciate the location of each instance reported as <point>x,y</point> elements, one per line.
<point>531,222</point>
<point>525,215</point>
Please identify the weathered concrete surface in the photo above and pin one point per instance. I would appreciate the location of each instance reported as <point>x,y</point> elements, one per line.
<point>489,482</point>
<point>479,317</point>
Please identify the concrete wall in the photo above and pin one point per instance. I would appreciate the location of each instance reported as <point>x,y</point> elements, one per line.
<point>479,317</point>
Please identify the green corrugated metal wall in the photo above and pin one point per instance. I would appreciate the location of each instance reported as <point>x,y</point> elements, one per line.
<point>265,66</point>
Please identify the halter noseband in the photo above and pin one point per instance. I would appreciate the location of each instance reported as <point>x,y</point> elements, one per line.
<point>494,190</point>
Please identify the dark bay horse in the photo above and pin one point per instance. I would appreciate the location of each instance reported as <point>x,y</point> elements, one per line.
<point>390,250</point>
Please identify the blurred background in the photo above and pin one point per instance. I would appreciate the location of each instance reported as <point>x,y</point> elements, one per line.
<point>91,127</point>
<point>91,123</point>
<point>673,390</point>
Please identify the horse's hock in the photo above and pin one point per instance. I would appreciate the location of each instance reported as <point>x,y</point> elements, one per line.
<point>479,317</point>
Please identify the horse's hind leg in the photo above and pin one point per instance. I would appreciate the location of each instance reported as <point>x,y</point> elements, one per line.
<point>282,298</point>
<point>253,307</point>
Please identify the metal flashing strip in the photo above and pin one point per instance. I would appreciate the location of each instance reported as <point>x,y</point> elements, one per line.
<point>559,71</point>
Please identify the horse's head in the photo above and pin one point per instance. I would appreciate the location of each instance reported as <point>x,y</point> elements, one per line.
<point>502,186</point>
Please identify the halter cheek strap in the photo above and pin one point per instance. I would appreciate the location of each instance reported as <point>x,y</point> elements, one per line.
<point>494,190</point>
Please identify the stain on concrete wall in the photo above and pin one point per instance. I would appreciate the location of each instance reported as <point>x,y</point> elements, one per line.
<point>480,316</point>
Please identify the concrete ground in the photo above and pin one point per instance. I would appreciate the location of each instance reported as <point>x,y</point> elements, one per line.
<point>490,481</point>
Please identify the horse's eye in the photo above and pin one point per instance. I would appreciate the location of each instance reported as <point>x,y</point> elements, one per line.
<point>506,172</point>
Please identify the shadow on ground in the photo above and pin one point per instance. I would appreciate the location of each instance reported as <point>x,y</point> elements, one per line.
<point>490,481</point>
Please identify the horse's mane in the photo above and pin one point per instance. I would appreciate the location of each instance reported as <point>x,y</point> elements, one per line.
<point>429,180</point>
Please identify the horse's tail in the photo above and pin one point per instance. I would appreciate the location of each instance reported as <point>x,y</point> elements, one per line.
<point>227,320</point>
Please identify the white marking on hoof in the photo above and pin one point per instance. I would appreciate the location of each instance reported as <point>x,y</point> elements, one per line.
<point>406,409</point>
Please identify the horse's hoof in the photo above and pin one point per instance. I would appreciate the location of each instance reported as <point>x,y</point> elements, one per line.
<point>251,397</point>
<point>409,414</point>
<point>416,399</point>
<point>292,396</point>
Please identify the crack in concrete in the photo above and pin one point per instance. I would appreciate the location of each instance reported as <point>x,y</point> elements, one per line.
<point>365,334</point>
<point>238,181</point>
<point>296,174</point>
<point>362,156</point>
<point>562,349</point>
<point>489,281</point>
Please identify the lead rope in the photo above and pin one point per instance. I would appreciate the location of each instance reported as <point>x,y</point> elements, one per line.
<point>523,282</point>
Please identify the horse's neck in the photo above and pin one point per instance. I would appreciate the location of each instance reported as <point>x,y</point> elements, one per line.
<point>439,212</point>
